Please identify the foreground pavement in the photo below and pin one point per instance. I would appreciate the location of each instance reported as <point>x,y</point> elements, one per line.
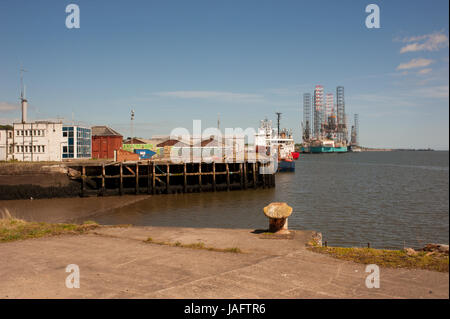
<point>117,263</point>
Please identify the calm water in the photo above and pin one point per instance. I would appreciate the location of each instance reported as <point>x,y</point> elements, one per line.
<point>389,199</point>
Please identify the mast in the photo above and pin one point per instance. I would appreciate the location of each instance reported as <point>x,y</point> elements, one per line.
<point>278,123</point>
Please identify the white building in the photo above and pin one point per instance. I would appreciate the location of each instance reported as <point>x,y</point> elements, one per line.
<point>5,144</point>
<point>37,141</point>
<point>44,140</point>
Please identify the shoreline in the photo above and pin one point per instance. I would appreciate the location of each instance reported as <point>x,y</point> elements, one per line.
<point>66,210</point>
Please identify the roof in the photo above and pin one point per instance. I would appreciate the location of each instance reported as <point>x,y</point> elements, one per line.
<point>104,131</point>
<point>173,142</point>
<point>211,142</point>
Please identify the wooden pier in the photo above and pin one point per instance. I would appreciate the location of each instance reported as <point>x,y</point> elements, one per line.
<point>152,177</point>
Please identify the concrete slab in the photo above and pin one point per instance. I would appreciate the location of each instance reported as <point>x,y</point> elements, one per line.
<point>117,263</point>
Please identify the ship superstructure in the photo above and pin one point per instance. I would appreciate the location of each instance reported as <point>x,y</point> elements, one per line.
<point>277,140</point>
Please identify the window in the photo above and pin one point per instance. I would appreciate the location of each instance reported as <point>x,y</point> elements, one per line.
<point>39,148</point>
<point>10,134</point>
<point>21,148</point>
<point>64,134</point>
<point>43,149</point>
<point>18,149</point>
<point>64,149</point>
<point>34,148</point>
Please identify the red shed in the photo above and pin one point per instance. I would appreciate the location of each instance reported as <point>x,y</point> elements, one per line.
<point>105,141</point>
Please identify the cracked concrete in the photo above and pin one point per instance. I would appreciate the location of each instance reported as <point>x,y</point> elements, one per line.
<point>117,263</point>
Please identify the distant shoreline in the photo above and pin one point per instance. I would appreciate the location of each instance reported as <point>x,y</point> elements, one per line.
<point>368,149</point>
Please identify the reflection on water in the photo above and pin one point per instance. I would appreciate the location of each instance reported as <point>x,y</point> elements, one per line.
<point>389,199</point>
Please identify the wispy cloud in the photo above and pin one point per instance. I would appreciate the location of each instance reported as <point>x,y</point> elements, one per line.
<point>424,71</point>
<point>436,92</point>
<point>392,100</point>
<point>415,63</point>
<point>428,42</point>
<point>213,95</point>
<point>8,107</point>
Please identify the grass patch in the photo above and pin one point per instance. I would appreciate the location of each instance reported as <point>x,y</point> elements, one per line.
<point>16,229</point>
<point>388,258</point>
<point>198,245</point>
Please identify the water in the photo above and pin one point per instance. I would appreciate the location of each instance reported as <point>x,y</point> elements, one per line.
<point>389,199</point>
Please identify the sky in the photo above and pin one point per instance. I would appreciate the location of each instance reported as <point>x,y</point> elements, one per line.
<point>178,61</point>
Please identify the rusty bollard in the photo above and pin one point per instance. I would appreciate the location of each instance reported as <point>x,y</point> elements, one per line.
<point>278,214</point>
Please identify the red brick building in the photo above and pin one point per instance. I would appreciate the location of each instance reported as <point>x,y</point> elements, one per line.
<point>105,141</point>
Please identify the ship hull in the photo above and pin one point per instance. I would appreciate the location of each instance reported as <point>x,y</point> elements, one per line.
<point>286,166</point>
<point>305,149</point>
<point>328,149</point>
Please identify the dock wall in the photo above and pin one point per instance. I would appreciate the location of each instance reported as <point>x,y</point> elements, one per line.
<point>151,177</point>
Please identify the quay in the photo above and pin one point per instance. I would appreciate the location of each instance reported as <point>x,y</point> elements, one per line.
<point>121,262</point>
<point>164,177</point>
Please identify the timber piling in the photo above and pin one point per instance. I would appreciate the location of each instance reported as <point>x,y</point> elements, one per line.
<point>153,177</point>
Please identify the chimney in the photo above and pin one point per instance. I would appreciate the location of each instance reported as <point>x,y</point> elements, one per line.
<point>24,110</point>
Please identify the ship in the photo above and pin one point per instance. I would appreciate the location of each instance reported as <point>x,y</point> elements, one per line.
<point>280,142</point>
<point>330,138</point>
<point>327,146</point>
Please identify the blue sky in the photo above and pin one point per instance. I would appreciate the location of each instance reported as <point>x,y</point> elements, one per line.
<point>175,61</point>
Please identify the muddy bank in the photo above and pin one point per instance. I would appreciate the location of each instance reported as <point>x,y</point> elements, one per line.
<point>65,210</point>
<point>21,191</point>
<point>25,181</point>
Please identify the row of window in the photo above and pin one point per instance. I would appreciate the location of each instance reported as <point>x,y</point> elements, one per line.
<point>80,135</point>
<point>29,149</point>
<point>30,132</point>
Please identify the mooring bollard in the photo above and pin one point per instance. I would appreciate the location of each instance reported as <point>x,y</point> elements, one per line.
<point>278,214</point>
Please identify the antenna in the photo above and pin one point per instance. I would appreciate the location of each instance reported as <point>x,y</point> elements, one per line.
<point>22,87</point>
<point>218,121</point>
<point>278,122</point>
<point>132,119</point>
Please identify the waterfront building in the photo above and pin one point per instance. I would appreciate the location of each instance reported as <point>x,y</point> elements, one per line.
<point>105,141</point>
<point>6,136</point>
<point>77,142</point>
<point>37,141</point>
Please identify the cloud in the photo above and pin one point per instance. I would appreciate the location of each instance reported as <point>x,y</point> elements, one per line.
<point>424,71</point>
<point>428,42</point>
<point>390,100</point>
<point>436,92</point>
<point>415,63</point>
<point>215,95</point>
<point>8,107</point>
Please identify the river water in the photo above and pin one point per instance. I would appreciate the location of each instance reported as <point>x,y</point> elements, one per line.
<point>390,199</point>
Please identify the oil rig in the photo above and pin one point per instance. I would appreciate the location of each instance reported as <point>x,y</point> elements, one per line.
<point>324,124</point>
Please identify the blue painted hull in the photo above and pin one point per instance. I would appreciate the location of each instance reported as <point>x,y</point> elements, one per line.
<point>328,149</point>
<point>284,166</point>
